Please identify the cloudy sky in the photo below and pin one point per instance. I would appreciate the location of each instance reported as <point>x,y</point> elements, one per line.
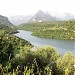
<point>26,7</point>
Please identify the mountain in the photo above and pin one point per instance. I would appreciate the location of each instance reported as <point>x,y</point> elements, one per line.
<point>73,19</point>
<point>65,16</point>
<point>19,19</point>
<point>4,20</point>
<point>68,16</point>
<point>40,16</point>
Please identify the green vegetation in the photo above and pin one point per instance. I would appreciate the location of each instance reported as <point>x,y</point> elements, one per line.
<point>43,61</point>
<point>8,29</point>
<point>18,58</point>
<point>9,47</point>
<point>4,20</point>
<point>51,29</point>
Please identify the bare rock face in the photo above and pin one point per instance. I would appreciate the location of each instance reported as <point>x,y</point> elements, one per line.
<point>40,16</point>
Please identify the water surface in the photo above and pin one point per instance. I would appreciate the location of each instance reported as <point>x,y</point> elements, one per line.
<point>62,46</point>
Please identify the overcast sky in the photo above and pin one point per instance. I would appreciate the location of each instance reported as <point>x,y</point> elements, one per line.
<point>26,7</point>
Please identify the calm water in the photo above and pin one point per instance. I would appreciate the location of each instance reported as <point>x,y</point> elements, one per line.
<point>62,46</point>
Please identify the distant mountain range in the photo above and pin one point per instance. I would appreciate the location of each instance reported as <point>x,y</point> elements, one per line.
<point>4,20</point>
<point>73,19</point>
<point>67,16</point>
<point>39,16</point>
<point>19,19</point>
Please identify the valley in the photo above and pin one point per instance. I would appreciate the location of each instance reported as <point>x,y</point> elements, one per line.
<point>37,37</point>
<point>61,46</point>
<point>17,56</point>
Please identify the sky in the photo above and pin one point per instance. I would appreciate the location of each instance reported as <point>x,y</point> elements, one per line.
<point>26,7</point>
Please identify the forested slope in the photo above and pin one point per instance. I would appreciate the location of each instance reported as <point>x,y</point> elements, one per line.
<point>52,29</point>
<point>18,58</point>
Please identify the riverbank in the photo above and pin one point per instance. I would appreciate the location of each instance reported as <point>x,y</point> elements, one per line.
<point>52,29</point>
<point>61,46</point>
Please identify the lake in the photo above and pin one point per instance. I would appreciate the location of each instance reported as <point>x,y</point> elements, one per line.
<point>61,46</point>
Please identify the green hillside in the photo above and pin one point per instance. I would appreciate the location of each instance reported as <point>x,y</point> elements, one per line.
<point>4,20</point>
<point>18,58</point>
<point>8,29</point>
<point>51,29</point>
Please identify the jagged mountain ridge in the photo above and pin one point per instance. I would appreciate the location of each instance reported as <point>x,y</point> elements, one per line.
<point>40,16</point>
<point>4,20</point>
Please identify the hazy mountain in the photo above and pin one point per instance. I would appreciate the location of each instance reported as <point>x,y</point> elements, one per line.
<point>73,19</point>
<point>68,16</point>
<point>40,16</point>
<point>65,16</point>
<point>4,20</point>
<point>19,19</point>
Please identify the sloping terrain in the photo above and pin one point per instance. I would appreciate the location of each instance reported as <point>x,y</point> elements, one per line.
<point>4,20</point>
<point>51,29</point>
<point>40,16</point>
